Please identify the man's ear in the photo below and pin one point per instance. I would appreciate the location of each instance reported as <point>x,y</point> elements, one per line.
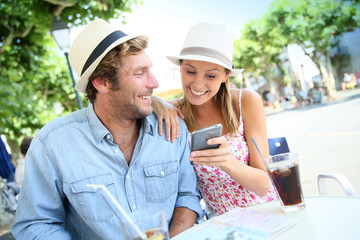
<point>101,84</point>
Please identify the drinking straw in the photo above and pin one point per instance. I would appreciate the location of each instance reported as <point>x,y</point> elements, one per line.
<point>128,218</point>
<point>252,138</point>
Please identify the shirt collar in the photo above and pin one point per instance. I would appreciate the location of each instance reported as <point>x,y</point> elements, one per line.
<point>100,131</point>
<point>148,125</point>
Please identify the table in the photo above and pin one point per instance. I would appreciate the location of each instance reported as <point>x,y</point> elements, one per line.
<point>324,217</point>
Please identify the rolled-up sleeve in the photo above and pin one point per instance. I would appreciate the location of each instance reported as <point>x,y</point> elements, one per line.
<point>188,193</point>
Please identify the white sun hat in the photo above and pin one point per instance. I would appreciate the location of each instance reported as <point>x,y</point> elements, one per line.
<point>91,46</point>
<point>209,43</point>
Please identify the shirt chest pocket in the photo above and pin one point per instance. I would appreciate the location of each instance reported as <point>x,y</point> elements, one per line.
<point>161,181</point>
<point>89,201</point>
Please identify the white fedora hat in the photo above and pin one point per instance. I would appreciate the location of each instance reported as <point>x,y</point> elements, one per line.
<point>91,46</point>
<point>209,43</point>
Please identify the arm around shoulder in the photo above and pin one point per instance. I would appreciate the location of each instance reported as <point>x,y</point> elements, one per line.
<point>168,112</point>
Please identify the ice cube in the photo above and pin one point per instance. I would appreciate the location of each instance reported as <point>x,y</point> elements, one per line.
<point>284,172</point>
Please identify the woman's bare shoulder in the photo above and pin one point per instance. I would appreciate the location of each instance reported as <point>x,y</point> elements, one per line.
<point>250,96</point>
<point>251,102</point>
<point>247,95</point>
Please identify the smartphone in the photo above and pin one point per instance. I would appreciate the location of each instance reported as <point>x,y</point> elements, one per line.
<point>199,137</point>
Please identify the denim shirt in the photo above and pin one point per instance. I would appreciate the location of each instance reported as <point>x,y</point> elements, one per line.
<point>77,149</point>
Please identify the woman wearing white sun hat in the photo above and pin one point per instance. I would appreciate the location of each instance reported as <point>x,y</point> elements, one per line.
<point>233,175</point>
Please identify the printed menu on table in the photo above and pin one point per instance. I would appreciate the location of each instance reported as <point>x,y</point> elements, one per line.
<point>250,224</point>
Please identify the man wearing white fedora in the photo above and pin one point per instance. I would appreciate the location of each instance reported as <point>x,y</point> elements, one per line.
<point>114,142</point>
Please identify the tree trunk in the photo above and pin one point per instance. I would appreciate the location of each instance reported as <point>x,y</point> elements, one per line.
<point>326,81</point>
<point>328,85</point>
<point>331,74</point>
<point>325,71</point>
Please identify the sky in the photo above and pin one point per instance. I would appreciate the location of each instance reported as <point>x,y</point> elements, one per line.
<point>167,22</point>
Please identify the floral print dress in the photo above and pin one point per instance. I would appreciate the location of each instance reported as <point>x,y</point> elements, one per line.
<point>220,192</point>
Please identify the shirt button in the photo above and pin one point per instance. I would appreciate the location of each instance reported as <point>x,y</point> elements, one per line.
<point>116,151</point>
<point>127,177</point>
<point>108,137</point>
<point>134,207</point>
<point>162,173</point>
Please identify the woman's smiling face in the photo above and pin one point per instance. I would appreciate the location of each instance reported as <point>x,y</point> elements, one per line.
<point>201,80</point>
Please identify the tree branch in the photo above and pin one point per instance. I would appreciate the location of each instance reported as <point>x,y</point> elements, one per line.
<point>24,32</point>
<point>60,5</point>
<point>12,34</point>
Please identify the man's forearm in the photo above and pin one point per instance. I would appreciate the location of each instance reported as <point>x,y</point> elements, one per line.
<point>183,218</point>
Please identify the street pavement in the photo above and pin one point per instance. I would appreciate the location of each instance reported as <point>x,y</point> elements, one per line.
<point>332,143</point>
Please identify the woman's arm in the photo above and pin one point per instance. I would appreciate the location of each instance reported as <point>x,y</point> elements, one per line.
<point>255,126</point>
<point>254,176</point>
<point>167,111</point>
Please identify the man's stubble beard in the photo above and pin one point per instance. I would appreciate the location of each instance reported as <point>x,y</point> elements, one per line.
<point>126,108</point>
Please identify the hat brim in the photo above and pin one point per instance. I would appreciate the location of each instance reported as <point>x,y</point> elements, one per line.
<point>176,60</point>
<point>84,79</point>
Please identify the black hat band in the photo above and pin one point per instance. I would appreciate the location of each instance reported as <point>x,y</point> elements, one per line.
<point>101,47</point>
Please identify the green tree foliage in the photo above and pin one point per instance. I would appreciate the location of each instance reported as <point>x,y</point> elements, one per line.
<point>312,24</point>
<point>33,71</point>
<point>258,50</point>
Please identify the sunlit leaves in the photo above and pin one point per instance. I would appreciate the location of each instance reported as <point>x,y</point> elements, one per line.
<point>33,72</point>
<point>258,49</point>
<point>312,24</point>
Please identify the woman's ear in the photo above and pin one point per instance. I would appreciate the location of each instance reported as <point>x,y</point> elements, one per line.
<point>226,76</point>
<point>101,84</point>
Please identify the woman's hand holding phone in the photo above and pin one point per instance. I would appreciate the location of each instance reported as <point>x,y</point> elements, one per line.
<point>218,157</point>
<point>209,147</point>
